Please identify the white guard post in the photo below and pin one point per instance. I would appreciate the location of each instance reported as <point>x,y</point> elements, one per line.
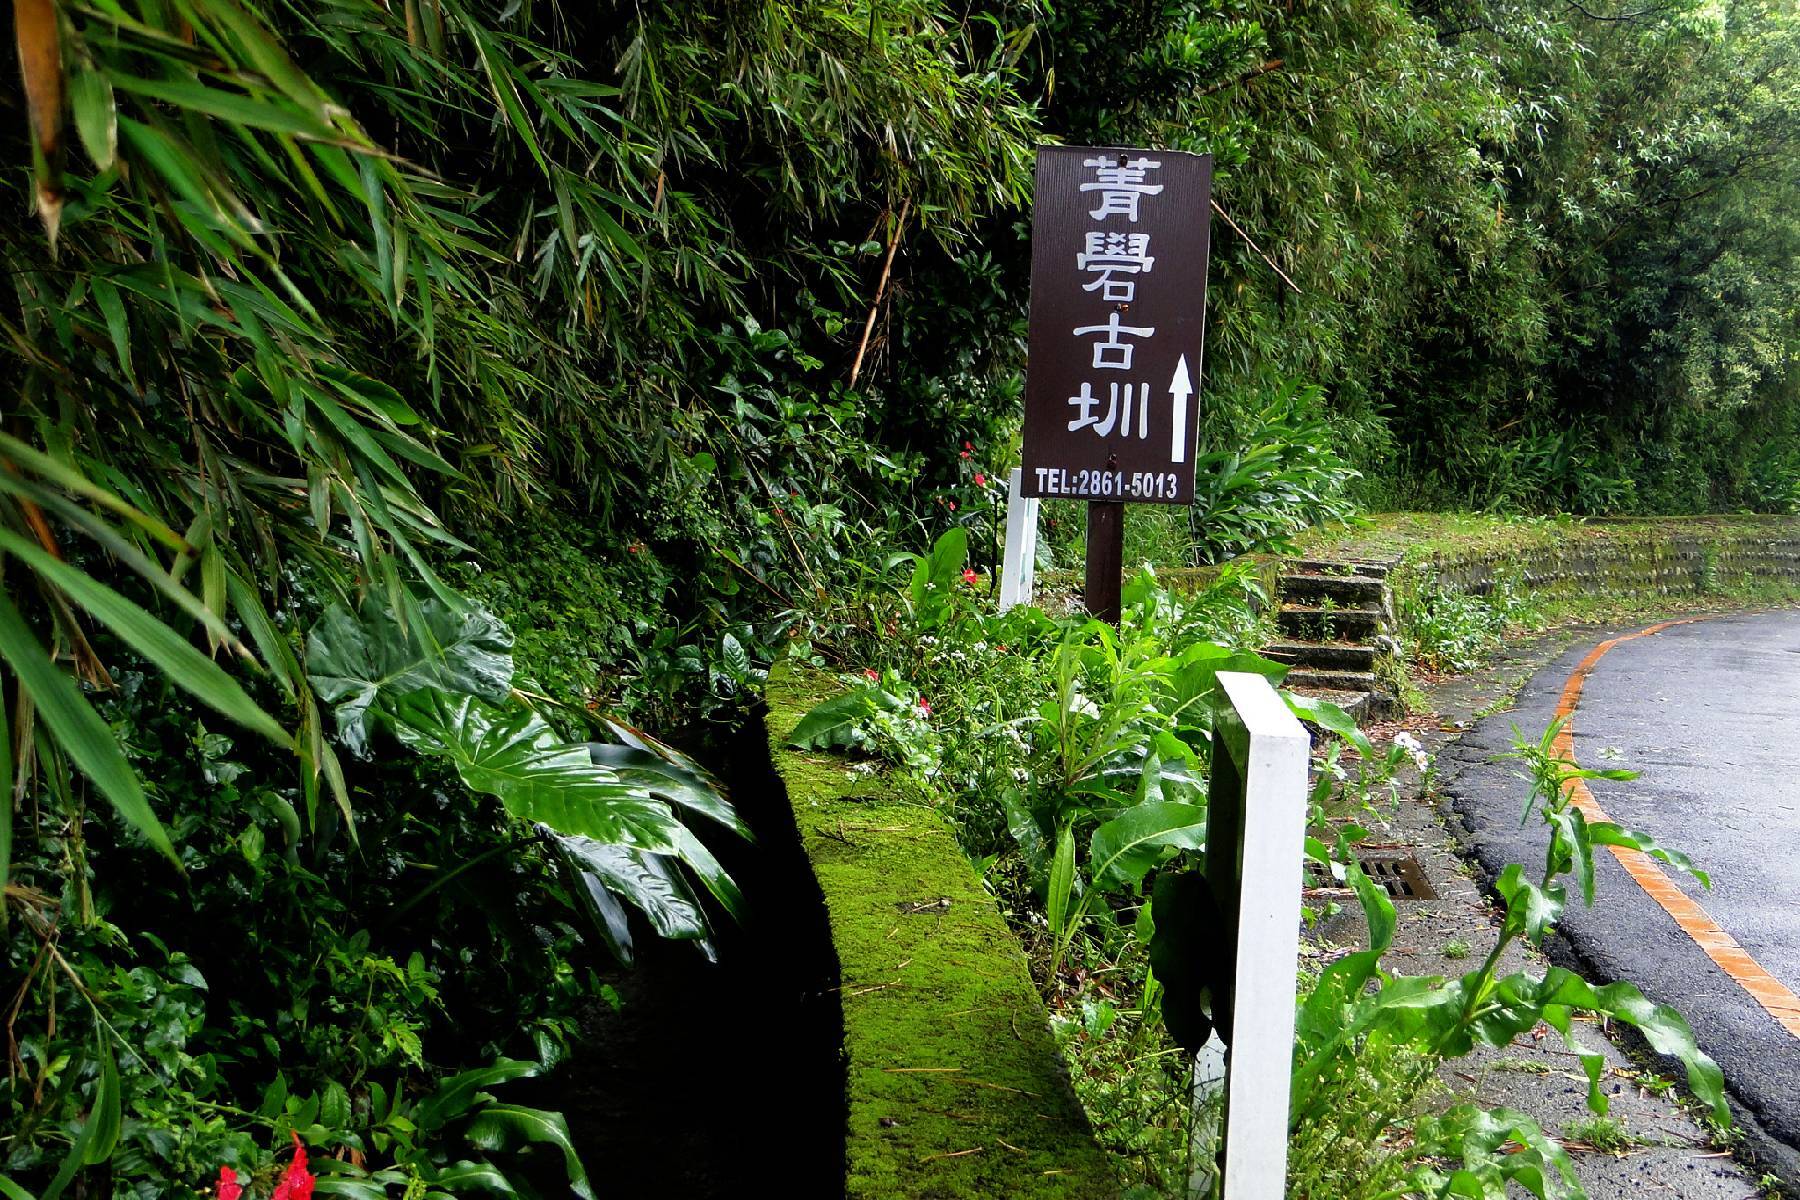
<point>1256,832</point>
<point>1019,567</point>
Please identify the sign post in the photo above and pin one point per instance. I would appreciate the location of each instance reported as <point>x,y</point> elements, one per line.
<point>1120,239</point>
<point>1255,834</point>
<point>1018,565</point>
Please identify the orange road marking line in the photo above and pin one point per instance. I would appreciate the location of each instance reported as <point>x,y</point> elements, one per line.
<point>1774,996</point>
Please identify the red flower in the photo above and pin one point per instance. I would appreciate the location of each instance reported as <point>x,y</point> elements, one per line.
<point>228,1185</point>
<point>925,706</point>
<point>952,506</point>
<point>871,674</point>
<point>980,479</point>
<point>297,1183</point>
<point>964,454</point>
<point>636,547</point>
<point>969,576</point>
<point>967,446</point>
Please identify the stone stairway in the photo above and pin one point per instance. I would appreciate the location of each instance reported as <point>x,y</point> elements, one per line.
<point>1335,621</point>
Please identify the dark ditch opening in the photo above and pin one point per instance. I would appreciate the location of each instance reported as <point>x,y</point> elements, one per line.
<point>714,1077</point>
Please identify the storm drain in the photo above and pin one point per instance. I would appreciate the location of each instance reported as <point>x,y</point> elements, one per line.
<point>1400,875</point>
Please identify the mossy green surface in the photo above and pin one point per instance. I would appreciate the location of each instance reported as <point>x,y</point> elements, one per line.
<point>1576,569</point>
<point>955,1087</point>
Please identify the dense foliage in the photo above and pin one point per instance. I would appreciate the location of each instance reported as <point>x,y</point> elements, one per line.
<point>653,329</point>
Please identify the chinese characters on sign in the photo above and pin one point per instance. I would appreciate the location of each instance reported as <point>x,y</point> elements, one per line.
<point>1118,320</point>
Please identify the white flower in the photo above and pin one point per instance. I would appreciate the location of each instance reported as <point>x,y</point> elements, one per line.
<point>1414,749</point>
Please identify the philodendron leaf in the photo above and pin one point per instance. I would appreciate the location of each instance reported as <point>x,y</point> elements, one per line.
<point>513,754</point>
<point>650,882</point>
<point>664,779</point>
<point>356,660</point>
<point>507,1126</point>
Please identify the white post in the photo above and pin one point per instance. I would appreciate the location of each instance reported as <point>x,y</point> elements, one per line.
<point>1018,568</point>
<point>1260,753</point>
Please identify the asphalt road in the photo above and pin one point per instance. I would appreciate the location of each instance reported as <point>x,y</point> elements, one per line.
<point>1706,713</point>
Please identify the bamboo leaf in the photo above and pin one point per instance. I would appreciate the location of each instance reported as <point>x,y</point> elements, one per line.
<point>77,728</point>
<point>181,662</point>
<point>96,115</point>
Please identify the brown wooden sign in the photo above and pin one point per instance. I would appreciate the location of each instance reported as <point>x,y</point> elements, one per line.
<point>1118,323</point>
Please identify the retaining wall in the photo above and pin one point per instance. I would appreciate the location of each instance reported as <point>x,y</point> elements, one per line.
<point>1630,563</point>
<point>954,1088</point>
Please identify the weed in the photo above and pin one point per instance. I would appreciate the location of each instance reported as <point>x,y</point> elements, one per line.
<point>1605,1134</point>
<point>1524,1066</point>
<point>1456,948</point>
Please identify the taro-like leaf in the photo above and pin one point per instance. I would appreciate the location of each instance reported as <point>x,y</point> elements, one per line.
<point>358,660</point>
<point>513,754</point>
<point>663,778</point>
<point>649,882</point>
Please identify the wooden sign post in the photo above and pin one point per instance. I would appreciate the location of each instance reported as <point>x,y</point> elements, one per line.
<point>1118,327</point>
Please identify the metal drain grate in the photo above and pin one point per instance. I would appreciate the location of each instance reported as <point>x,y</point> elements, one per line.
<point>1400,875</point>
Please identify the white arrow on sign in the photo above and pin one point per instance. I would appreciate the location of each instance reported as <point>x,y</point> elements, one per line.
<point>1180,388</point>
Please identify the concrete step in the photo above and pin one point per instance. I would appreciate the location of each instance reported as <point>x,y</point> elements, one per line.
<point>1356,704</point>
<point>1324,656</point>
<point>1309,623</point>
<point>1307,679</point>
<point>1320,566</point>
<point>1346,591</point>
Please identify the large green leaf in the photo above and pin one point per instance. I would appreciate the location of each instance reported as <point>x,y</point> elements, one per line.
<point>513,754</point>
<point>77,727</point>
<point>1125,848</point>
<point>834,722</point>
<point>1531,909</point>
<point>507,1126</point>
<point>650,882</point>
<point>99,1135</point>
<point>662,778</point>
<point>1605,833</point>
<point>356,660</point>
<point>466,1090</point>
<point>1187,952</point>
<point>1329,716</point>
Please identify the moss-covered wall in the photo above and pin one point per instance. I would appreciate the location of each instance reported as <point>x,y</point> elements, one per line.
<point>954,1085</point>
<point>1627,564</point>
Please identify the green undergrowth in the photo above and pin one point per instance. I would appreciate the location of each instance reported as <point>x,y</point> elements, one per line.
<point>953,1083</point>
